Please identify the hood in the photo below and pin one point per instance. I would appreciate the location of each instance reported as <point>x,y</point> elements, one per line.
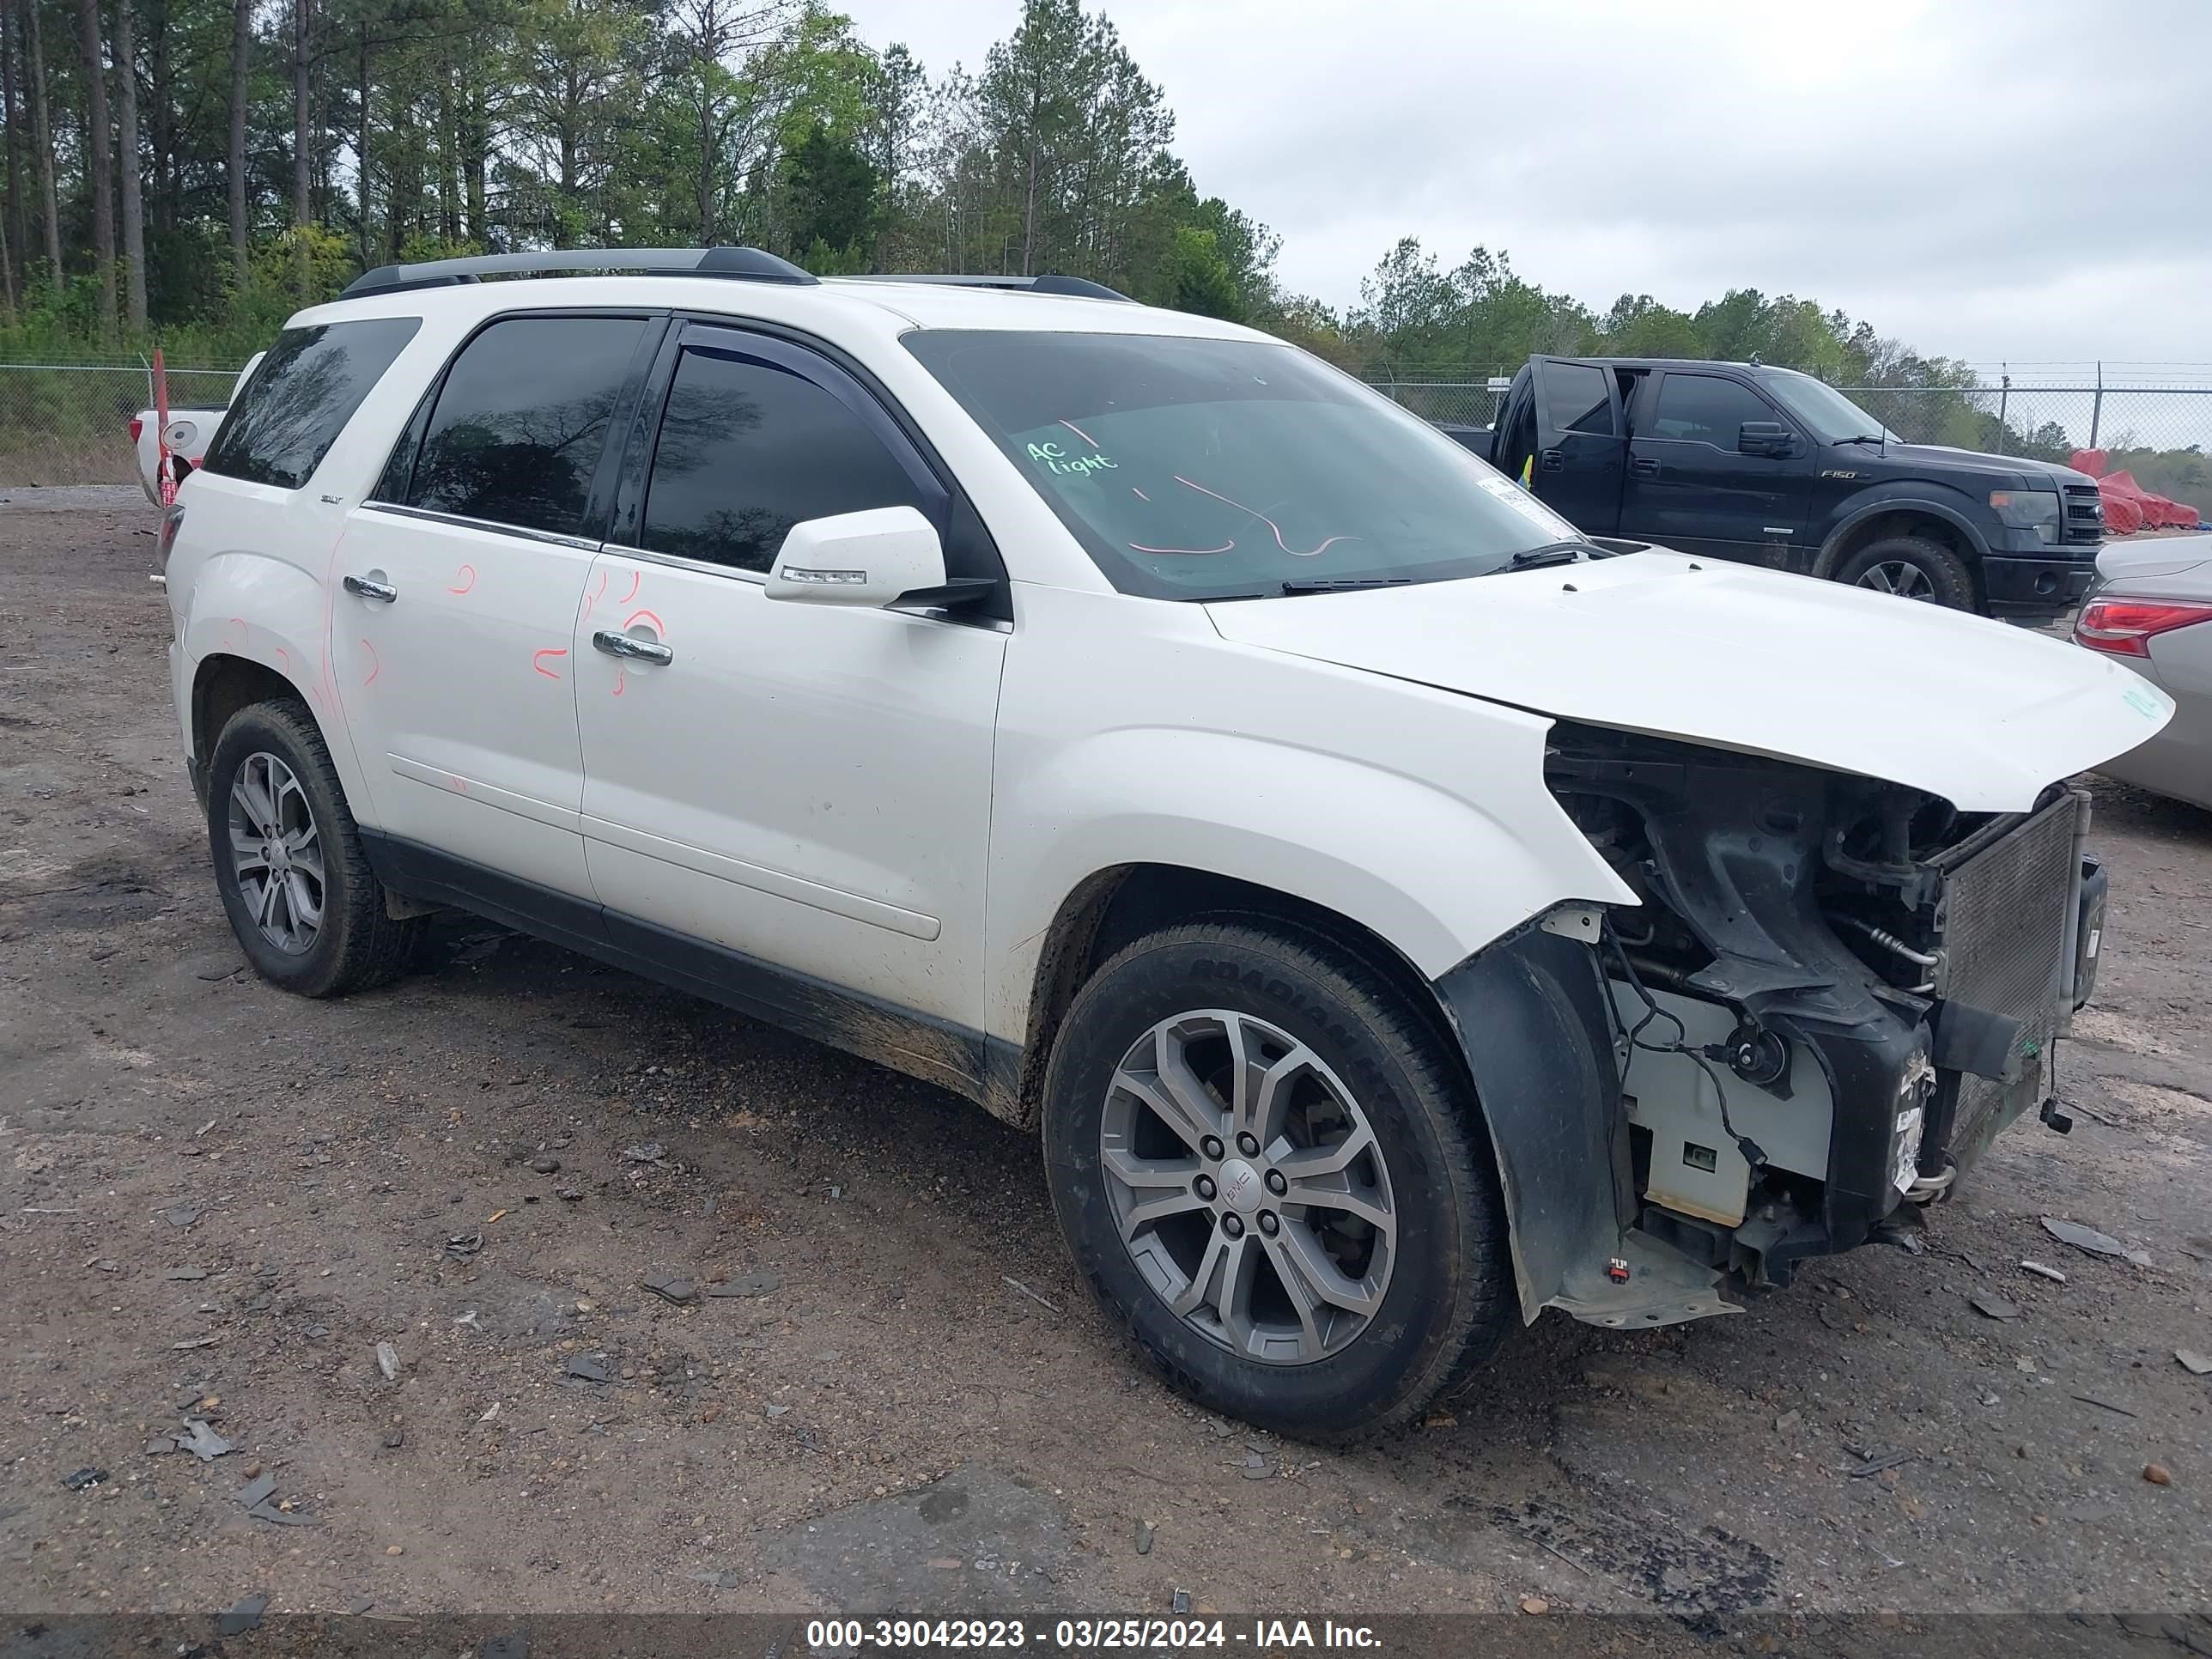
<point>1981,713</point>
<point>2018,470</point>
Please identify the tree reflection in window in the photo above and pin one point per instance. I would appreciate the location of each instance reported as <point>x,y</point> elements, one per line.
<point>522,421</point>
<point>300,397</point>
<point>746,451</point>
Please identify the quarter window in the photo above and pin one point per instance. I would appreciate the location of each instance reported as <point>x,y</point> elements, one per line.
<point>1706,409</point>
<point>748,450</point>
<point>300,398</point>
<point>517,432</point>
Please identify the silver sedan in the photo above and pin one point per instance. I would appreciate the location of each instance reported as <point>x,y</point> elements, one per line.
<point>2152,608</point>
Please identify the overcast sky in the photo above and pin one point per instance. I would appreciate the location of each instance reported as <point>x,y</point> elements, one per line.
<point>1990,180</point>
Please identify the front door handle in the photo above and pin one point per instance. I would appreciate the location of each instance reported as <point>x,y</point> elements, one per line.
<point>622,645</point>
<point>1643,466</point>
<point>1553,460</point>
<point>384,593</point>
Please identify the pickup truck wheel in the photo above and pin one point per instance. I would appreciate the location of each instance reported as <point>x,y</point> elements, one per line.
<point>1911,568</point>
<point>1267,1170</point>
<point>296,885</point>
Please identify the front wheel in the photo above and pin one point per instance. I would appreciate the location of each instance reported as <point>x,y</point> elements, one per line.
<point>1267,1169</point>
<point>295,884</point>
<point>1911,568</point>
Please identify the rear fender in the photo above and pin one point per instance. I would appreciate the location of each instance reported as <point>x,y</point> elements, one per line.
<point>271,612</point>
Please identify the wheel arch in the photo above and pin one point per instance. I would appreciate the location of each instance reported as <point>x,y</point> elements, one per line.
<point>1524,1025</point>
<point>1117,905</point>
<point>1872,520</point>
<point>224,682</point>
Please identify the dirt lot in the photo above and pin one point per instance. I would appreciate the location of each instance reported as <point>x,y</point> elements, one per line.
<point>216,1202</point>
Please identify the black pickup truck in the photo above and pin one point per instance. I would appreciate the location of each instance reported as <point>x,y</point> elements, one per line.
<point>1772,467</point>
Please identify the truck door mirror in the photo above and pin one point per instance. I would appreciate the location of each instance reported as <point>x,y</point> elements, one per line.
<point>1765,438</point>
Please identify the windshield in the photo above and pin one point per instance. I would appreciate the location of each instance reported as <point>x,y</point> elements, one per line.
<point>1830,414</point>
<point>1196,469</point>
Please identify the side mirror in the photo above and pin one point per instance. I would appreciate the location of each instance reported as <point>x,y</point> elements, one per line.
<point>1765,438</point>
<point>874,558</point>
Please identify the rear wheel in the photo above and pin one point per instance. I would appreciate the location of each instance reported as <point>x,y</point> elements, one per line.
<point>295,884</point>
<point>1268,1172</point>
<point>1911,568</point>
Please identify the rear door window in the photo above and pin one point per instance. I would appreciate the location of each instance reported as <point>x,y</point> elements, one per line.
<point>1706,409</point>
<point>305,390</point>
<point>1577,398</point>
<point>517,431</point>
<point>747,450</point>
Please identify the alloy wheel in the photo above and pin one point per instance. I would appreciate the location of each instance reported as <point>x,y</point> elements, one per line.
<point>1898,577</point>
<point>1249,1187</point>
<point>277,854</point>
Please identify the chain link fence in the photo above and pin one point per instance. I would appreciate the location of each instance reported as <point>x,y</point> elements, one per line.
<point>69,423</point>
<point>1451,402</point>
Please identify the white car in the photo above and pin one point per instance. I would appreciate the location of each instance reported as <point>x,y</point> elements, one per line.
<point>188,435</point>
<point>2148,611</point>
<point>1397,916</point>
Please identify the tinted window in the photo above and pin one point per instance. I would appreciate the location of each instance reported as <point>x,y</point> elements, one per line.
<point>1706,409</point>
<point>519,424</point>
<point>747,450</point>
<point>1200,469</point>
<point>1823,408</point>
<point>1577,399</point>
<point>307,387</point>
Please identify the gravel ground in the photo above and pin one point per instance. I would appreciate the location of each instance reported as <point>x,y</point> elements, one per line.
<point>216,1202</point>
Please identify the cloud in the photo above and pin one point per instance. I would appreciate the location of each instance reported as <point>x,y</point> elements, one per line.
<point>2001,178</point>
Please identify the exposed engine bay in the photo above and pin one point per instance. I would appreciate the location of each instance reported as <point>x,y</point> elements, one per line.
<point>1835,994</point>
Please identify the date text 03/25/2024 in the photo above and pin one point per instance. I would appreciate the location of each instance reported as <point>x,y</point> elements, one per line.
<point>839,1635</point>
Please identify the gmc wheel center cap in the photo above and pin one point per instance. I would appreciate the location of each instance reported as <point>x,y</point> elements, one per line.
<point>1240,1186</point>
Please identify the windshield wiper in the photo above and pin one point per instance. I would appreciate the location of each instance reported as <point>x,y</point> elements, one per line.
<point>1536,558</point>
<point>1865,438</point>
<point>1345,584</point>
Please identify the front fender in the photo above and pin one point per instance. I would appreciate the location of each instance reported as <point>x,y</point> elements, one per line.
<point>1950,506</point>
<point>272,612</point>
<point>1430,872</point>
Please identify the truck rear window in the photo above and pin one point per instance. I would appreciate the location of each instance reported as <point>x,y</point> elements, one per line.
<point>286,419</point>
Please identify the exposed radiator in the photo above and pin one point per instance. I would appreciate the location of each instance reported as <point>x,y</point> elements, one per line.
<point>2005,906</point>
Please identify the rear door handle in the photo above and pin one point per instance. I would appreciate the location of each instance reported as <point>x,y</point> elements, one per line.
<point>1553,460</point>
<point>1643,466</point>
<point>384,593</point>
<point>622,645</point>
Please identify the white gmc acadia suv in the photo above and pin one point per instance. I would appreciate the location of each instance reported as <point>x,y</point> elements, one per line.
<point>1399,914</point>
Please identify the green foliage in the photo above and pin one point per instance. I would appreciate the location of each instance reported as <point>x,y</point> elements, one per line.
<point>442,127</point>
<point>305,265</point>
<point>1639,327</point>
<point>828,200</point>
<point>1198,279</point>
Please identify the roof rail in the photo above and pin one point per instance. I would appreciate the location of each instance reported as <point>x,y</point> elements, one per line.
<point>743,264</point>
<point>1081,288</point>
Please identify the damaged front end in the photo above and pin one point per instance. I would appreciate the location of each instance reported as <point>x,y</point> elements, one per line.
<point>1835,994</point>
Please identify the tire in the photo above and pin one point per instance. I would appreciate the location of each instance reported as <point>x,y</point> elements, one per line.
<point>350,943</point>
<point>1328,1026</point>
<point>1913,567</point>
